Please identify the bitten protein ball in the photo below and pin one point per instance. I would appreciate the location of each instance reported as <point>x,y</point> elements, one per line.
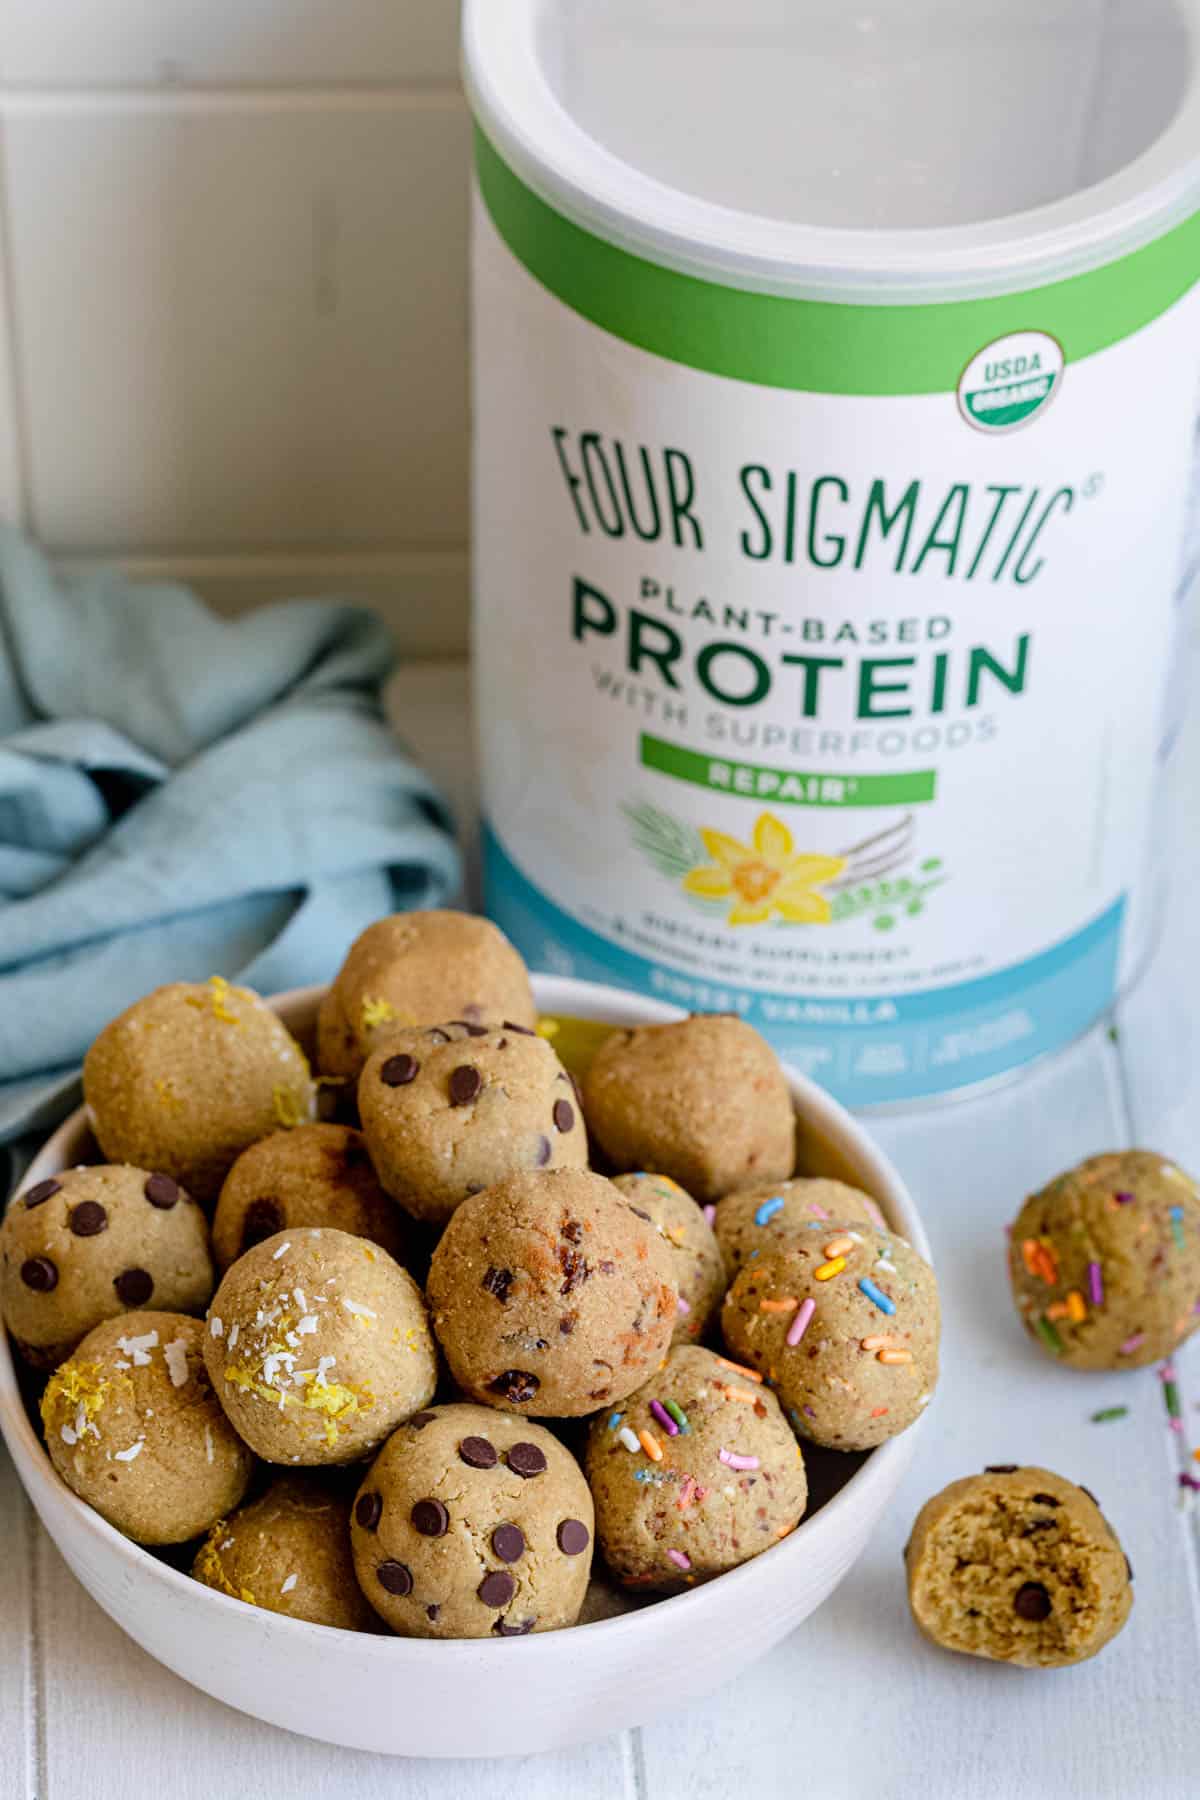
<point>694,1260</point>
<point>318,1346</point>
<point>696,1472</point>
<point>1019,1566</point>
<point>316,1175</point>
<point>420,968</point>
<point>449,1110</point>
<point>473,1524</point>
<point>704,1101</point>
<point>185,1079</point>
<point>759,1219</point>
<point>550,1296</point>
<point>133,1427</point>
<point>289,1552</point>
<point>1105,1261</point>
<point>845,1328</point>
<point>91,1243</point>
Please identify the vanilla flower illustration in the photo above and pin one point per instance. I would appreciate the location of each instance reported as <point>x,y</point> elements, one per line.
<point>765,879</point>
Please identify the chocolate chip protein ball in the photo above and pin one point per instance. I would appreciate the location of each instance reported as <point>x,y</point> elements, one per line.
<point>694,1260</point>
<point>449,1110</point>
<point>473,1524</point>
<point>133,1427</point>
<point>550,1296</point>
<point>318,1346</point>
<point>315,1175</point>
<point>289,1552</point>
<point>696,1473</point>
<point>1105,1261</point>
<point>186,1078</point>
<point>91,1243</point>
<point>756,1220</point>
<point>703,1100</point>
<point>845,1328</point>
<point>1019,1566</point>
<point>419,968</point>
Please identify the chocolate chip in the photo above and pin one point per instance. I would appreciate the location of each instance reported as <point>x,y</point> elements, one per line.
<point>88,1219</point>
<point>573,1537</point>
<point>369,1510</point>
<point>37,1196</point>
<point>420,1420</point>
<point>564,1115</point>
<point>522,1030</point>
<point>471,1029</point>
<point>572,1230</point>
<point>1045,1500</point>
<point>434,1613</point>
<point>430,1518</point>
<point>527,1460</point>
<point>496,1588</point>
<point>398,1071</point>
<point>471,1009</point>
<point>40,1274</point>
<point>508,1541</point>
<point>161,1191</point>
<point>543,1151</point>
<point>437,1036</point>
<point>498,1282</point>
<point>262,1219</point>
<point>134,1287</point>
<point>395,1577</point>
<point>500,1629</point>
<point>515,1385</point>
<point>475,1187</point>
<point>465,1083</point>
<point>566,1324</point>
<point>478,1453</point>
<point>1032,1601</point>
<point>1000,1469</point>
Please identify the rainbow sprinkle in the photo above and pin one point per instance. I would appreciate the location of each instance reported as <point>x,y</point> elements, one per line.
<point>739,1369</point>
<point>1124,1199</point>
<point>677,1413</point>
<point>650,1445</point>
<point>1132,1343</point>
<point>734,1461</point>
<point>1109,1412</point>
<point>629,1440</point>
<point>614,1419</point>
<point>664,1418</point>
<point>828,1270</point>
<point>1170,1389</point>
<point>1095,1284</point>
<point>800,1323</point>
<point>1048,1335</point>
<point>766,1212</point>
<point>680,1558</point>
<point>710,1214</point>
<point>1076,1309</point>
<point>876,1295</point>
<point>682,1305</point>
<point>820,1211</point>
<point>838,1246</point>
<point>1177,1226</point>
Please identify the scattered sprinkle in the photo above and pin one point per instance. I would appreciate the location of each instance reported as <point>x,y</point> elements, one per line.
<point>1109,1412</point>
<point>876,1295</point>
<point>820,1211</point>
<point>629,1440</point>
<point>766,1212</point>
<point>177,1362</point>
<point>1189,1481</point>
<point>1132,1343</point>
<point>800,1323</point>
<point>1170,1388</point>
<point>739,1369</point>
<point>1124,1199</point>
<point>682,1305</point>
<point>733,1461</point>
<point>878,1412</point>
<point>614,1419</point>
<point>828,1270</point>
<point>677,1413</point>
<point>1076,1309</point>
<point>894,1356</point>
<point>680,1559</point>
<point>664,1418</point>
<point>282,1251</point>
<point>1095,1284</point>
<point>1049,1335</point>
<point>1177,1226</point>
<point>650,1445</point>
<point>710,1215</point>
<point>838,1246</point>
<point>786,1305</point>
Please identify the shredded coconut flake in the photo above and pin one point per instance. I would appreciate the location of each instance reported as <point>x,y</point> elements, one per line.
<point>208,1443</point>
<point>300,1298</point>
<point>282,1251</point>
<point>139,1348</point>
<point>233,1333</point>
<point>307,1325</point>
<point>215,1326</point>
<point>68,1436</point>
<point>289,1584</point>
<point>177,1362</point>
<point>133,1450</point>
<point>359,1310</point>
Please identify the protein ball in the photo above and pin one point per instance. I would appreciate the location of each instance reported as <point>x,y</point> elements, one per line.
<point>420,968</point>
<point>90,1243</point>
<point>704,1101</point>
<point>696,1473</point>
<point>1019,1566</point>
<point>845,1328</point>
<point>133,1427</point>
<point>188,1077</point>
<point>1105,1261</point>
<point>550,1296</point>
<point>758,1219</point>
<point>289,1552</point>
<point>316,1175</point>
<point>693,1257</point>
<point>473,1524</point>
<point>450,1110</point>
<point>318,1346</point>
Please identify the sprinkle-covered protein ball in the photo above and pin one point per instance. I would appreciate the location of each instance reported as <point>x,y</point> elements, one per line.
<point>133,1427</point>
<point>91,1243</point>
<point>316,1175</point>
<point>318,1346</point>
<point>703,1100</point>
<point>697,1472</point>
<point>1105,1262</point>
<point>289,1552</point>
<point>550,1296</point>
<point>693,1257</point>
<point>420,968</point>
<point>186,1078</point>
<point>449,1110</point>
<point>1019,1566</point>
<point>472,1523</point>
<point>756,1220</point>
<point>845,1328</point>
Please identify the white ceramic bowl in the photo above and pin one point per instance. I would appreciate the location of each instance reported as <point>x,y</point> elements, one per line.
<point>418,1698</point>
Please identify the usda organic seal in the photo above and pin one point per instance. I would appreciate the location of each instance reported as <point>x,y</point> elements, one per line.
<point>1011,381</point>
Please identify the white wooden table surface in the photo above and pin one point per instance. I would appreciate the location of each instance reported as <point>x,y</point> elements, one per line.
<point>854,1706</point>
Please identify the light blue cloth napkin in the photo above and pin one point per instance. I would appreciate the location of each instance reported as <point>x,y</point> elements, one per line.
<point>182,796</point>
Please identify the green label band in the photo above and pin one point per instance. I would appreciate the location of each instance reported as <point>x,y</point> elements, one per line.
<point>787,787</point>
<point>819,346</point>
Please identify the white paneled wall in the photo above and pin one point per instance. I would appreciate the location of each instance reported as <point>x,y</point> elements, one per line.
<point>233,298</point>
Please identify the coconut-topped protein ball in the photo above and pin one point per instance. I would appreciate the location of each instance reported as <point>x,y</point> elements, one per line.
<point>449,1110</point>
<point>693,1257</point>
<point>318,1346</point>
<point>1020,1566</point>
<point>316,1175</point>
<point>1105,1261</point>
<point>703,1100</point>
<point>550,1296</point>
<point>133,1427</point>
<point>845,1328</point>
<point>472,1523</point>
<point>696,1472</point>
<point>289,1552</point>
<point>186,1078</point>
<point>755,1220</point>
<point>419,968</point>
<point>91,1243</point>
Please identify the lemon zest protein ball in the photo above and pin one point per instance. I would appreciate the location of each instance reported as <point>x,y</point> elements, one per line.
<point>289,1552</point>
